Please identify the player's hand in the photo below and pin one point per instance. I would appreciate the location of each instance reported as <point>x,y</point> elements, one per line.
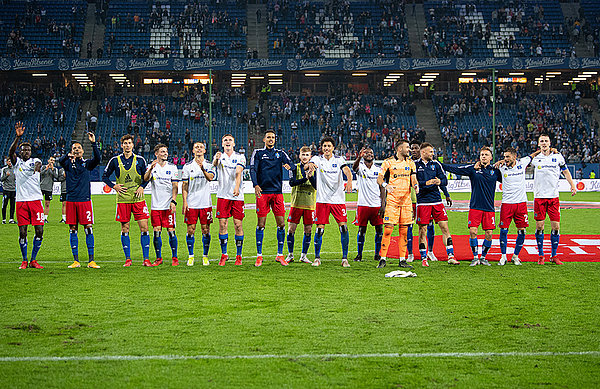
<point>553,151</point>
<point>120,189</point>
<point>38,167</point>
<point>573,190</point>
<point>236,192</point>
<point>416,189</point>
<point>139,192</point>
<point>173,208</point>
<point>349,187</point>
<point>362,152</point>
<point>498,164</point>
<point>258,191</point>
<point>286,166</point>
<point>382,210</point>
<point>449,201</point>
<point>153,164</point>
<point>19,128</point>
<point>92,137</point>
<point>216,158</point>
<point>477,165</point>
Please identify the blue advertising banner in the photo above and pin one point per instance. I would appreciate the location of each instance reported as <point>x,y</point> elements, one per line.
<point>290,64</point>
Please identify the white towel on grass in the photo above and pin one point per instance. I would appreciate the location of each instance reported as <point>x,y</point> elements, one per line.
<point>401,273</point>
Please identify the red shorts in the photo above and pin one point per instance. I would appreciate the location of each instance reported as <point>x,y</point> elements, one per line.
<point>426,212</point>
<point>193,214</point>
<point>30,212</point>
<point>79,212</point>
<point>307,216</point>
<point>518,212</point>
<point>364,215</point>
<point>227,208</point>
<point>543,206</point>
<point>269,201</point>
<point>162,218</point>
<point>487,219</point>
<point>323,211</point>
<point>139,210</point>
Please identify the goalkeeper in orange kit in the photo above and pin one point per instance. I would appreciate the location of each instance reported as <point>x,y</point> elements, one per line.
<point>398,175</point>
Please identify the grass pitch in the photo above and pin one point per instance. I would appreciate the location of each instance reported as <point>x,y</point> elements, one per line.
<point>298,312</point>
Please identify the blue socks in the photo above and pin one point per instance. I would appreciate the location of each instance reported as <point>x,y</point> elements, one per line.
<point>190,240</point>
<point>360,241</point>
<point>145,242</point>
<point>260,234</point>
<point>305,243</point>
<point>89,241</point>
<point>409,240</point>
<point>473,243</point>
<point>205,244</point>
<point>280,240</point>
<point>239,241</point>
<point>345,239</point>
<point>519,242</point>
<point>449,247</point>
<point>37,243</point>
<point>157,244</point>
<point>173,243</point>
<point>223,238</point>
<point>554,239</point>
<point>539,237</point>
<point>503,240</point>
<point>485,247</point>
<point>422,251</point>
<point>378,237</point>
<point>290,243</point>
<point>126,244</point>
<point>74,244</point>
<point>430,236</point>
<point>23,246</point>
<point>318,242</point>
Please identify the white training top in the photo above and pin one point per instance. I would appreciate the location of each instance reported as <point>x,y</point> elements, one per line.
<point>330,179</point>
<point>226,176</point>
<point>199,187</point>
<point>368,188</point>
<point>513,182</point>
<point>27,180</point>
<point>547,171</point>
<point>162,185</point>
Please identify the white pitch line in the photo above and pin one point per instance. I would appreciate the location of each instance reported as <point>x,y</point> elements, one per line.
<point>299,356</point>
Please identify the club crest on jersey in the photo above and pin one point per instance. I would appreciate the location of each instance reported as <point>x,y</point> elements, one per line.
<point>334,165</point>
<point>277,155</point>
<point>168,172</point>
<point>234,161</point>
<point>406,168</point>
<point>553,159</point>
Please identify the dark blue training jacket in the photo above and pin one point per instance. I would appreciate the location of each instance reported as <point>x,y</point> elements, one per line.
<point>77,174</point>
<point>266,169</point>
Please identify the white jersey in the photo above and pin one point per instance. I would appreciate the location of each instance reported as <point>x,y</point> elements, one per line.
<point>199,187</point>
<point>27,180</point>
<point>161,183</point>
<point>513,182</point>
<point>226,176</point>
<point>368,188</point>
<point>547,170</point>
<point>330,179</point>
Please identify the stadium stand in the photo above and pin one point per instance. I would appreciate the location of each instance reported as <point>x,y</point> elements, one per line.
<point>337,29</point>
<point>146,29</point>
<point>42,28</point>
<point>495,29</point>
<point>354,120</point>
<point>175,121</point>
<point>466,124</point>
<point>49,118</point>
<point>590,9</point>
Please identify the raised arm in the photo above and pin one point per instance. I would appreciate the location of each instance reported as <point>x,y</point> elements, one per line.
<point>294,180</point>
<point>357,160</point>
<point>459,170</point>
<point>12,152</point>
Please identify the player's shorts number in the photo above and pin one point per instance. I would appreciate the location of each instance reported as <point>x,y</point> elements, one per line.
<point>209,215</point>
<point>171,218</point>
<point>493,220</point>
<point>39,216</point>
<point>145,210</point>
<point>88,215</point>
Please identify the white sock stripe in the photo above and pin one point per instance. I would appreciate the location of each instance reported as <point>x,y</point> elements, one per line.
<point>299,356</point>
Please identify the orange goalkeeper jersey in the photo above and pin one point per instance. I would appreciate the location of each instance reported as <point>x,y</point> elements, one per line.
<point>397,174</point>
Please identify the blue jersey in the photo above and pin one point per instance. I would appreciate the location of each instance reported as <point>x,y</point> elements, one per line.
<point>483,184</point>
<point>113,167</point>
<point>266,169</point>
<point>430,194</point>
<point>77,172</point>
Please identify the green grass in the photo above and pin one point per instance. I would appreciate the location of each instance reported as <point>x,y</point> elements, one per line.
<point>293,311</point>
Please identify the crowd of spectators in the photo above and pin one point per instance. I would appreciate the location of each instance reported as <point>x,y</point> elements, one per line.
<point>573,131</point>
<point>309,38</point>
<point>17,45</point>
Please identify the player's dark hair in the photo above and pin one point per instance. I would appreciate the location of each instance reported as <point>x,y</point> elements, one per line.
<point>546,135</point>
<point>25,144</point>
<point>511,150</point>
<point>415,142</point>
<point>158,147</point>
<point>327,139</point>
<point>426,144</point>
<point>486,148</point>
<point>76,143</point>
<point>126,137</point>
<point>198,141</point>
<point>270,130</point>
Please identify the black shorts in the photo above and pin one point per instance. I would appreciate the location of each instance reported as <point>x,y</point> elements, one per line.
<point>47,195</point>
<point>63,197</point>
